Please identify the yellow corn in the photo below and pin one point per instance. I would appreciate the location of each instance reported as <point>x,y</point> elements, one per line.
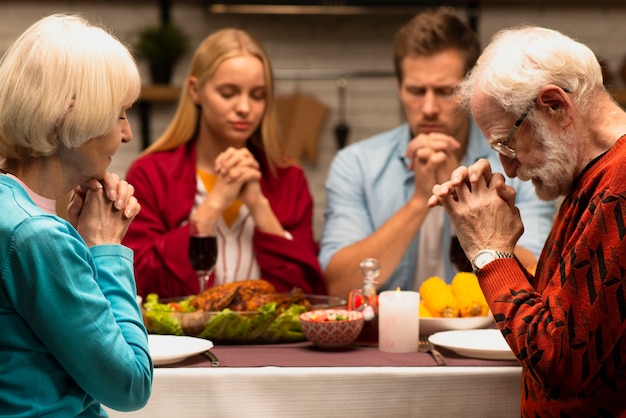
<point>469,295</point>
<point>424,312</point>
<point>438,298</point>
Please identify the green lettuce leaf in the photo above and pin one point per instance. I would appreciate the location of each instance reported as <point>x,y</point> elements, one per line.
<point>227,326</point>
<point>162,322</point>
<point>286,327</point>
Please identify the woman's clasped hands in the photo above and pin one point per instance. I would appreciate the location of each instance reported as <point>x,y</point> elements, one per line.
<point>101,210</point>
<point>238,175</point>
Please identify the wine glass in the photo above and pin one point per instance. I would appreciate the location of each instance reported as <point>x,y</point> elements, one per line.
<point>203,255</point>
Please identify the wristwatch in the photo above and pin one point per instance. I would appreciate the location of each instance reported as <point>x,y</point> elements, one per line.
<point>485,257</point>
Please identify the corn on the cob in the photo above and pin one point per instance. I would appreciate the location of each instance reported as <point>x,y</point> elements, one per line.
<point>469,296</point>
<point>438,298</point>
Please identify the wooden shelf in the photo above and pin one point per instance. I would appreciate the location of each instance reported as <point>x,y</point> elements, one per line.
<point>160,93</point>
<point>170,94</point>
<point>156,93</point>
<point>378,7</point>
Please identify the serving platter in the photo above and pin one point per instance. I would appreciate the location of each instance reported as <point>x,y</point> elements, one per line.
<point>234,327</point>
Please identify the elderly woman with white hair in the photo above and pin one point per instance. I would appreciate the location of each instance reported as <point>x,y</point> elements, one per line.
<point>72,335</point>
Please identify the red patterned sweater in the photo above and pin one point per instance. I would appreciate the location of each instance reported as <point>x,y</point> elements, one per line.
<point>567,324</point>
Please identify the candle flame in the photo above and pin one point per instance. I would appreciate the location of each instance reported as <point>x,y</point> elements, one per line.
<point>398,289</point>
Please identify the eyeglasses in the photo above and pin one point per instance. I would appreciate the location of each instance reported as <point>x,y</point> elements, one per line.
<point>502,147</point>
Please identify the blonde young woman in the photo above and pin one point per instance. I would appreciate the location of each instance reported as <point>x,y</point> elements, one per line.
<point>72,336</point>
<point>219,168</point>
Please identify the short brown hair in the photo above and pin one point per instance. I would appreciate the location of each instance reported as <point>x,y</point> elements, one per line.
<point>432,32</point>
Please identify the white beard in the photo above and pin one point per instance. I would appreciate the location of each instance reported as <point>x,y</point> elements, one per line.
<point>555,175</point>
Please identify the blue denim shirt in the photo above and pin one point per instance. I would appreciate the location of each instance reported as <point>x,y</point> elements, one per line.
<point>363,191</point>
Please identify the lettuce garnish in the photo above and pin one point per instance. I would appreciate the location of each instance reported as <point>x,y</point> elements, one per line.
<point>266,325</point>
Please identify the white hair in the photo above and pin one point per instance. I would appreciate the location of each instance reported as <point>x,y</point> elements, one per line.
<point>518,62</point>
<point>64,81</point>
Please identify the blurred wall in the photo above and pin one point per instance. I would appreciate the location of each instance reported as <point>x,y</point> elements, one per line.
<point>311,43</point>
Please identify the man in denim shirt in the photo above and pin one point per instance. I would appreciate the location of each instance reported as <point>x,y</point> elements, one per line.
<point>377,189</point>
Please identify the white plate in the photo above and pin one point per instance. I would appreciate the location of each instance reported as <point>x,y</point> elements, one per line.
<point>167,349</point>
<point>478,343</point>
<point>429,326</point>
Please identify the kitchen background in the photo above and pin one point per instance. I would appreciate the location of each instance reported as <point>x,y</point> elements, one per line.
<point>333,57</point>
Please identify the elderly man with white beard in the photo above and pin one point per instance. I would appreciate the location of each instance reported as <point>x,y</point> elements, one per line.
<point>537,96</point>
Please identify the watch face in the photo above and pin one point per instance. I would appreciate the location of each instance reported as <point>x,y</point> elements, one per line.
<point>484,257</point>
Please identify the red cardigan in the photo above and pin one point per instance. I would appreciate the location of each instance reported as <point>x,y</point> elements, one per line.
<point>165,186</point>
<point>567,324</point>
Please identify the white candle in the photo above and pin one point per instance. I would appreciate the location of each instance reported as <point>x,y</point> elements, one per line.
<point>398,321</point>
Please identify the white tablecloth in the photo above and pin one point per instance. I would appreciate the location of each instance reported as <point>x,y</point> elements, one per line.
<point>345,392</point>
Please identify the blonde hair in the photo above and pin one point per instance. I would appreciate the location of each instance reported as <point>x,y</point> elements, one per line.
<point>63,82</point>
<point>210,54</point>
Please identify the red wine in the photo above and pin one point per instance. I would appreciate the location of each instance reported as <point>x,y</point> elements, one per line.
<point>369,333</point>
<point>202,252</point>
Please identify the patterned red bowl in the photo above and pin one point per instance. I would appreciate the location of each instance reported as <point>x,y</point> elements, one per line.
<point>331,328</point>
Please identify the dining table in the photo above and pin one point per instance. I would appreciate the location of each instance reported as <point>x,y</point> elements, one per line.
<point>302,380</point>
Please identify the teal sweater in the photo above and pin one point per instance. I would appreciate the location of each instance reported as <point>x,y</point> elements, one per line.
<point>71,334</point>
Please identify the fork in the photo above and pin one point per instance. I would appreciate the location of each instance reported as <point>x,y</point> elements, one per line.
<point>426,346</point>
<point>209,355</point>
